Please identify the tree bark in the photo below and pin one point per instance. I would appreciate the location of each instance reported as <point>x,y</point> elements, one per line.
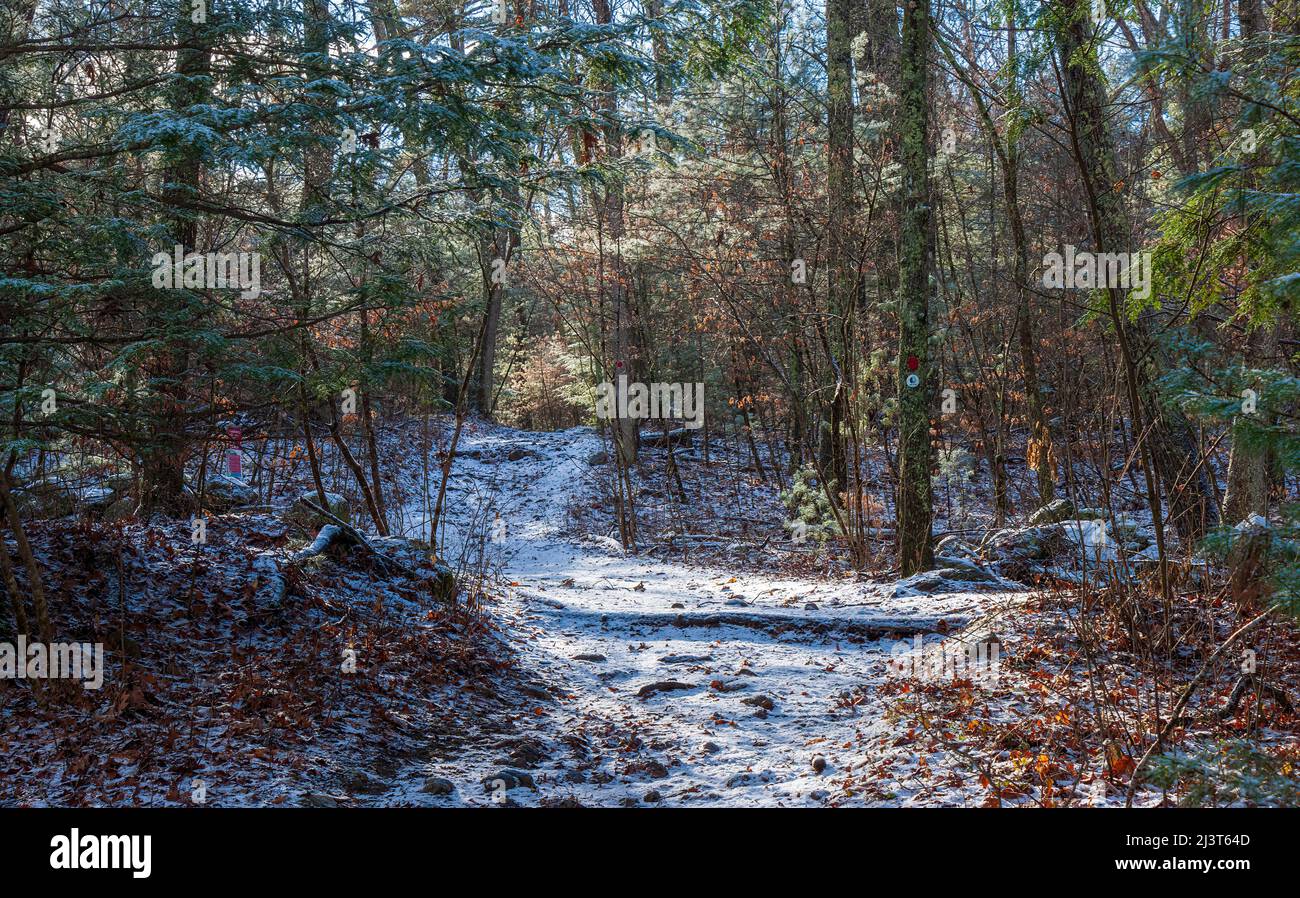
<point>841,274</point>
<point>915,450</point>
<point>1169,439</point>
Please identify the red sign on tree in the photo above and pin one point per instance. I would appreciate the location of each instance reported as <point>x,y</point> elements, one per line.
<point>234,456</point>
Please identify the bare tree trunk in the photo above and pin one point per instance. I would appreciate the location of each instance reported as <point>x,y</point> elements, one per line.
<point>625,350</point>
<point>34,582</point>
<point>841,276</point>
<point>1040,447</point>
<point>1168,440</point>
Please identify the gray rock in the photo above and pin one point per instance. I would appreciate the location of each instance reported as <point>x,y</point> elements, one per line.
<point>729,685</point>
<point>1052,513</point>
<point>46,499</point>
<point>508,778</point>
<point>953,545</point>
<point>750,778</point>
<point>966,574</point>
<point>593,658</point>
<point>685,659</point>
<point>1038,543</point>
<point>652,797</point>
<point>598,458</point>
<point>437,785</point>
<point>121,508</point>
<point>223,492</point>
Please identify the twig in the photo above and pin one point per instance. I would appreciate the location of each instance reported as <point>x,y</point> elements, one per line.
<point>1176,712</point>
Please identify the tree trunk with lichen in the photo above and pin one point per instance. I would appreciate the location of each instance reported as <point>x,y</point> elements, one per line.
<point>915,451</point>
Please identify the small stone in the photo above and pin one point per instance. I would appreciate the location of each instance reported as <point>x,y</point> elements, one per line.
<point>652,796</point>
<point>593,658</point>
<point>728,685</point>
<point>811,606</point>
<point>661,686</point>
<point>710,747</point>
<point>818,763</point>
<point>508,778</point>
<point>759,701</point>
<point>436,785</point>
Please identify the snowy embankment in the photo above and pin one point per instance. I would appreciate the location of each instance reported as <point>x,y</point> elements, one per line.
<point>674,683</point>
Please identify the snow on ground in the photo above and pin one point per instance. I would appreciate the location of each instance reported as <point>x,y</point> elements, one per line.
<point>756,673</point>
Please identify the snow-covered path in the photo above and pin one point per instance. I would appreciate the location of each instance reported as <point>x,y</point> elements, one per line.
<point>763,672</point>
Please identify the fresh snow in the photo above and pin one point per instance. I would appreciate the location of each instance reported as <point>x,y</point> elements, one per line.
<point>598,625</point>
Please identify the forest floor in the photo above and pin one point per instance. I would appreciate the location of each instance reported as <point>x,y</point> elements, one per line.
<point>717,665</point>
<point>721,680</point>
<point>675,682</point>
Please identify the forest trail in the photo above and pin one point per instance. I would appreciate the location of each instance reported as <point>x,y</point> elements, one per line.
<point>770,671</point>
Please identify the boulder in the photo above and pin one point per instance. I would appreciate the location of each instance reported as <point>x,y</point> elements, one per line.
<point>415,555</point>
<point>121,508</point>
<point>953,544</point>
<point>1052,513</point>
<point>223,492</point>
<point>46,499</point>
<point>1038,542</point>
<point>444,584</point>
<point>508,778</point>
<point>437,785</point>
